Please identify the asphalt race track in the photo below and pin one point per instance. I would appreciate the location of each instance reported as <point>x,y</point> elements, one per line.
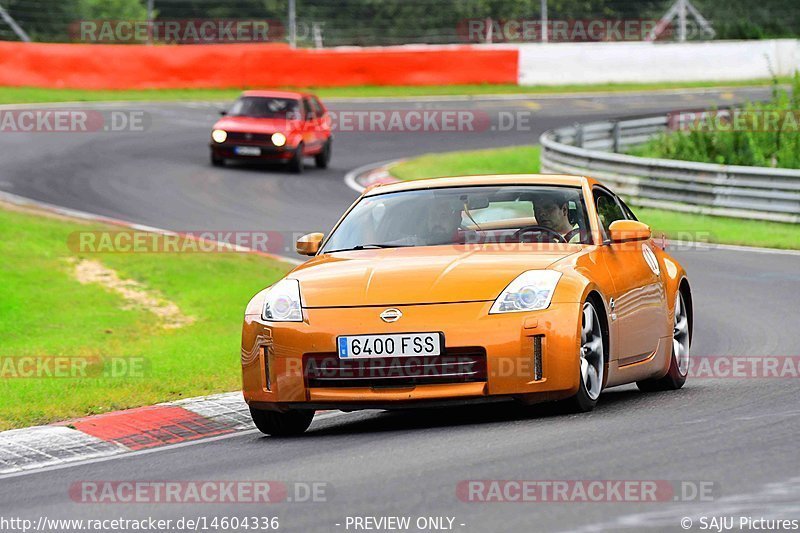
<point>740,434</point>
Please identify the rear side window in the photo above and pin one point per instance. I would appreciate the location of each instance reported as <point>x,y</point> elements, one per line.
<point>317,107</point>
<point>627,210</point>
<point>308,109</point>
<point>608,210</point>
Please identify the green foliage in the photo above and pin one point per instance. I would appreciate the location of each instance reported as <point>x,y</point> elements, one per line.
<point>112,10</point>
<point>52,20</point>
<point>753,142</point>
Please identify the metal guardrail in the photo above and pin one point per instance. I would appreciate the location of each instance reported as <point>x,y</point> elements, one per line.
<point>760,193</point>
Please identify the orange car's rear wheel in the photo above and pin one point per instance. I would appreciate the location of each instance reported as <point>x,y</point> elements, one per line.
<point>679,362</point>
<point>282,424</point>
<point>591,361</point>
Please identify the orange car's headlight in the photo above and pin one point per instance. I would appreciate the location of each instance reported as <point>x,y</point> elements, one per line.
<point>530,291</point>
<point>282,302</point>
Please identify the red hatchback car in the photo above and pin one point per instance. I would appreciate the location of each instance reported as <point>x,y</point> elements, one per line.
<point>277,126</point>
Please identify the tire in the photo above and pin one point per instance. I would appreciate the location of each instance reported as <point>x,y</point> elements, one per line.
<point>296,162</point>
<point>591,362</point>
<point>282,424</point>
<point>217,161</point>
<point>324,157</point>
<point>679,359</point>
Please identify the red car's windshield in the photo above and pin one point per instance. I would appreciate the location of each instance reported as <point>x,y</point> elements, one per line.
<point>266,107</point>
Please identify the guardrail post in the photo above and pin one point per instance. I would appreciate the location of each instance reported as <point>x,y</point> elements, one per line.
<point>579,135</point>
<point>616,134</point>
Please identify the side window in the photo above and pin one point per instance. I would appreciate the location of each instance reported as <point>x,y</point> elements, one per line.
<point>608,210</point>
<point>317,107</point>
<point>308,109</point>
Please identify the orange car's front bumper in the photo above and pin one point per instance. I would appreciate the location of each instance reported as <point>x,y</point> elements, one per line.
<point>275,377</point>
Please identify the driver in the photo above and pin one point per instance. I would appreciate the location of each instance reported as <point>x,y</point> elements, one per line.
<point>552,211</point>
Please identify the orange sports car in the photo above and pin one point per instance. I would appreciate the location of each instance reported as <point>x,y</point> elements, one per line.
<point>468,289</point>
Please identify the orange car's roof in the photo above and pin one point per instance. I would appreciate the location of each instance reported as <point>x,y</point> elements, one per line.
<point>275,94</point>
<point>489,179</point>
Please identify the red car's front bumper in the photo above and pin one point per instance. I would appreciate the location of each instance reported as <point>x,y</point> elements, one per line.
<point>266,152</point>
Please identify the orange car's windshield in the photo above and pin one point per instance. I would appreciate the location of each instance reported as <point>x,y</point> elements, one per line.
<point>464,215</point>
<point>264,107</point>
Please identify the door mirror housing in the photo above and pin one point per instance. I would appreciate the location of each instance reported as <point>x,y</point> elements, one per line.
<point>629,230</point>
<point>309,244</point>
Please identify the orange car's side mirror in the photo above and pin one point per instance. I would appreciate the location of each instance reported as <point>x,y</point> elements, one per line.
<point>629,230</point>
<point>309,244</point>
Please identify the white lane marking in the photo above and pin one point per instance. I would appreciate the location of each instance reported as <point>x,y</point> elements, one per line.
<point>95,460</point>
<point>350,177</point>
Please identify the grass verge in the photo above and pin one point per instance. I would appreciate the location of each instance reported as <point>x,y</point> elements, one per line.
<point>45,311</point>
<point>20,95</point>
<point>684,226</point>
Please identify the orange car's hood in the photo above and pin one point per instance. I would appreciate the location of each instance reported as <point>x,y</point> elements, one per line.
<point>401,276</point>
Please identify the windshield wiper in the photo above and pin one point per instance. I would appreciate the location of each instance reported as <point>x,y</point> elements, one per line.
<point>369,247</point>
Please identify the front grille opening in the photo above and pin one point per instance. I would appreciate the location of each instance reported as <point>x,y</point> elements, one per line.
<point>235,136</point>
<point>537,357</point>
<point>456,365</point>
<point>267,379</point>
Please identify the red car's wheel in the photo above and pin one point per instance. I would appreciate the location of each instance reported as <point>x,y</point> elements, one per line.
<point>296,162</point>
<point>324,157</point>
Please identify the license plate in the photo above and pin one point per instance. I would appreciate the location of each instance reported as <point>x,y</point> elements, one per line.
<point>395,345</point>
<point>247,150</point>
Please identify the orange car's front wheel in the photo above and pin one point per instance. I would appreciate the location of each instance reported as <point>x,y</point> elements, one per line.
<point>282,424</point>
<point>591,361</point>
